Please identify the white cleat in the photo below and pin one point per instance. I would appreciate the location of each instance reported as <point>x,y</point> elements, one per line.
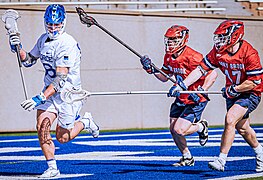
<point>218,165</point>
<point>50,173</point>
<point>90,125</point>
<point>259,161</point>
<point>203,136</point>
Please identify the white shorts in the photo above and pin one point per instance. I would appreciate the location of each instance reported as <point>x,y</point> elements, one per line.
<point>67,113</point>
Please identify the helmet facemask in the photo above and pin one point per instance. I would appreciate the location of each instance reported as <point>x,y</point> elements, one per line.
<point>55,21</point>
<point>227,35</point>
<point>221,41</point>
<point>172,45</point>
<point>175,39</point>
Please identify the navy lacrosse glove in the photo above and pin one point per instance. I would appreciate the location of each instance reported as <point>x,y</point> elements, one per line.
<point>174,91</point>
<point>146,64</point>
<point>230,92</point>
<point>205,95</point>
<point>14,41</point>
<point>30,104</point>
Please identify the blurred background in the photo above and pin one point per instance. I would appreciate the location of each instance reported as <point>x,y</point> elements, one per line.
<point>108,66</point>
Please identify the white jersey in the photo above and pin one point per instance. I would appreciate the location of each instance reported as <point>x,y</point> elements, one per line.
<point>61,52</point>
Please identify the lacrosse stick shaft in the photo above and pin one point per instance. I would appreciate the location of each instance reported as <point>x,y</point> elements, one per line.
<point>131,49</point>
<point>148,92</point>
<point>21,71</point>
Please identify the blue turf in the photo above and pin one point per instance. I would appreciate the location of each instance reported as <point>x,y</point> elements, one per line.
<point>125,169</point>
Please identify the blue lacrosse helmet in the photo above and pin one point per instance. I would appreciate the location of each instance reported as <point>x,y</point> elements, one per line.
<point>55,20</point>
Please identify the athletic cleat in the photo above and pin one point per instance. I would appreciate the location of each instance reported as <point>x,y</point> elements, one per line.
<point>259,161</point>
<point>185,162</point>
<point>90,125</point>
<point>203,136</point>
<point>218,165</point>
<point>50,173</point>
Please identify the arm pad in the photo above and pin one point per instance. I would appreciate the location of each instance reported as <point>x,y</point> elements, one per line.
<point>29,60</point>
<point>59,81</point>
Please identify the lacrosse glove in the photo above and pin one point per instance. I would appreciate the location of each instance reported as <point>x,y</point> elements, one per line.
<point>14,40</point>
<point>30,104</point>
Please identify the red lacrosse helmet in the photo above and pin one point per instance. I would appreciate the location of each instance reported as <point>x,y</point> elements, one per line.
<point>175,38</point>
<point>227,34</point>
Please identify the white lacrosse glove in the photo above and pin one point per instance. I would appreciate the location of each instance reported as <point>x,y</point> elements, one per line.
<point>30,104</point>
<point>14,40</point>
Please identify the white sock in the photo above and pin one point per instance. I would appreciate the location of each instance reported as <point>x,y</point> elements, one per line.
<point>200,127</point>
<point>223,157</point>
<point>187,155</point>
<point>258,150</point>
<point>52,163</point>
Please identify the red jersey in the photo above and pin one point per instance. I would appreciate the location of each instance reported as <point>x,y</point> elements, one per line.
<point>182,66</point>
<point>238,67</point>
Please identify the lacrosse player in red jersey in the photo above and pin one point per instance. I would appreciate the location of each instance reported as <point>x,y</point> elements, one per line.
<point>186,111</point>
<point>60,55</point>
<point>240,63</point>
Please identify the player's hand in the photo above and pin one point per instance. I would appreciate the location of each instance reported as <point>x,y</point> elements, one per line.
<point>14,40</point>
<point>230,92</point>
<point>146,64</point>
<point>175,91</point>
<point>30,104</point>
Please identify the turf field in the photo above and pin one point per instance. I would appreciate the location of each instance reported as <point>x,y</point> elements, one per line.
<point>144,154</point>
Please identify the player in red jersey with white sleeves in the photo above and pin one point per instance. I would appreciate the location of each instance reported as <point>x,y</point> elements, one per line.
<point>186,111</point>
<point>240,63</point>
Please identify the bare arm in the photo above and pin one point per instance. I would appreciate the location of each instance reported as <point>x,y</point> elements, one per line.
<point>193,77</point>
<point>209,80</point>
<point>161,77</point>
<point>22,54</point>
<point>245,86</point>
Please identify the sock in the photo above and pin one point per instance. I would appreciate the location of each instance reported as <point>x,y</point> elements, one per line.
<point>52,163</point>
<point>187,155</point>
<point>258,149</point>
<point>223,157</point>
<point>200,127</point>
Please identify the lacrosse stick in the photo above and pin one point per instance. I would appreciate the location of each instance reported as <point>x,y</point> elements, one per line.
<point>72,95</point>
<point>89,21</point>
<point>10,19</point>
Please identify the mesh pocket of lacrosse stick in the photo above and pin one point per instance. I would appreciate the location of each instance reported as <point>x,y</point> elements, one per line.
<point>72,95</point>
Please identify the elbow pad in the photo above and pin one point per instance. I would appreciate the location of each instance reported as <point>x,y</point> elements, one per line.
<point>59,81</point>
<point>29,60</point>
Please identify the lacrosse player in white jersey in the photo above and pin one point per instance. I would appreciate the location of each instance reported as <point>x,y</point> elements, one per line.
<point>60,55</point>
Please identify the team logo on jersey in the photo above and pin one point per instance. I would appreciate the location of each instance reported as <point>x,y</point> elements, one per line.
<point>218,55</point>
<point>65,58</point>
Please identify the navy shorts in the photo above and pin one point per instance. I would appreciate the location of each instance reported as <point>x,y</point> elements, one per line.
<point>249,101</point>
<point>191,112</point>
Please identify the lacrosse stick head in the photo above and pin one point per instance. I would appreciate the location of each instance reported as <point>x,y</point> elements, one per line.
<point>84,18</point>
<point>71,95</point>
<point>9,18</point>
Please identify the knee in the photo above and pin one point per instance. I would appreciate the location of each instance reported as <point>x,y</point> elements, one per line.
<point>230,121</point>
<point>177,131</point>
<point>62,135</point>
<point>62,139</point>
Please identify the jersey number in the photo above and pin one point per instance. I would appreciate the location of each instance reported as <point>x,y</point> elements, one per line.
<point>234,73</point>
<point>49,70</point>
